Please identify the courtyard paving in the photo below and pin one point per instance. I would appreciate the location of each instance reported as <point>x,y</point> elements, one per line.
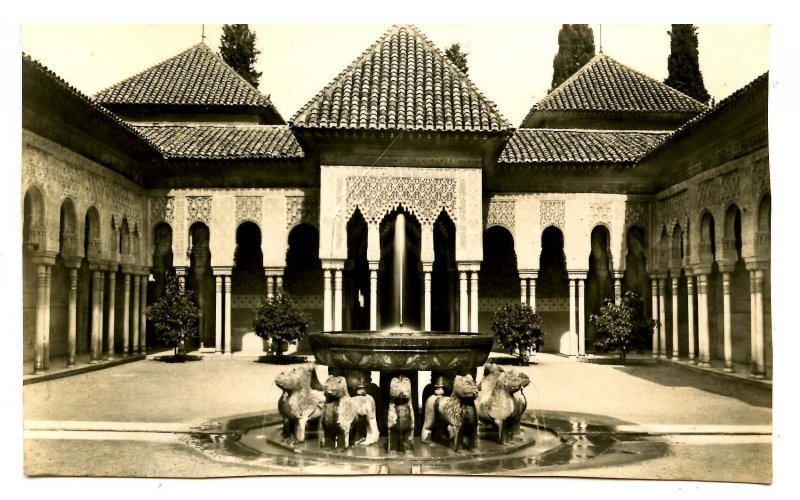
<point>127,420</point>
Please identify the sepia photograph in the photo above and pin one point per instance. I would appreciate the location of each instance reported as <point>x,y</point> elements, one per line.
<point>434,249</point>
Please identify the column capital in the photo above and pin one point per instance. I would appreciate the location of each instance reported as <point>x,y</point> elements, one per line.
<point>374,265</point>
<point>126,269</point>
<point>577,274</point>
<point>656,275</point>
<point>72,262</point>
<point>427,267</point>
<point>333,263</point>
<point>530,274</point>
<point>702,269</point>
<point>274,271</point>
<point>112,267</point>
<point>726,266</point>
<point>45,258</point>
<point>619,274</point>
<point>216,270</point>
<point>464,266</point>
<point>756,264</point>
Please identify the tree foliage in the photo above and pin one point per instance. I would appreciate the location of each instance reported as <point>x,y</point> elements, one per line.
<point>518,328</point>
<point>238,49</point>
<point>175,317</point>
<point>280,320</point>
<point>575,48</point>
<point>457,57</point>
<point>622,326</point>
<point>683,63</point>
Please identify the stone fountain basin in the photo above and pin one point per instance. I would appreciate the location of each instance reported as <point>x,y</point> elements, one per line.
<point>401,350</point>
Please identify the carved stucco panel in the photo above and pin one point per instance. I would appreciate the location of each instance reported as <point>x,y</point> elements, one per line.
<point>302,209</point>
<point>600,212</point>
<point>424,197</point>
<point>248,208</point>
<point>198,209</point>
<point>552,213</point>
<point>501,213</point>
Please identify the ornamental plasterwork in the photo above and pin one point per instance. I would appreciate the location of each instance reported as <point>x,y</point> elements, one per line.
<point>674,210</point>
<point>636,213</point>
<point>761,176</point>
<point>729,185</point>
<point>424,197</point>
<point>501,213</point>
<point>302,209</point>
<point>58,178</point>
<point>708,193</point>
<point>552,213</point>
<point>198,209</point>
<point>248,208</point>
<point>600,212</point>
<point>162,209</point>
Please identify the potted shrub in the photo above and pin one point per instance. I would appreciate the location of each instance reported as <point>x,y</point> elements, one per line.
<point>282,322</point>
<point>519,329</point>
<point>175,318</point>
<point>622,326</point>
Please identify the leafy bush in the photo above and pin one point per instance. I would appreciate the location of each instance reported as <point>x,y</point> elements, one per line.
<point>175,316</point>
<point>280,320</point>
<point>622,326</point>
<point>519,329</point>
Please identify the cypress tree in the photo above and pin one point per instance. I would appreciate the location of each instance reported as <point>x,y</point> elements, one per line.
<point>575,48</point>
<point>684,62</point>
<point>457,57</point>
<point>238,49</point>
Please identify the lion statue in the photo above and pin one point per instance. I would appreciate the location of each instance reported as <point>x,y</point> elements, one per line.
<point>299,403</point>
<point>456,414</point>
<point>340,413</point>
<point>520,405</point>
<point>498,406</point>
<point>401,415</point>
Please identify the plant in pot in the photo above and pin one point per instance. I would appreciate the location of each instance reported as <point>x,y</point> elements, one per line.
<point>279,320</point>
<point>175,318</point>
<point>623,326</point>
<point>519,329</point>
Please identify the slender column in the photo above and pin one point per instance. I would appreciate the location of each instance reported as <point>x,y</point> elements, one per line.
<point>278,283</point>
<point>523,290</point>
<point>726,321</point>
<point>143,315</point>
<point>690,311</point>
<point>760,367</point>
<point>337,300</point>
<point>463,302</point>
<point>42,325</point>
<point>126,312</point>
<point>618,286</point>
<point>97,317</point>
<point>72,316</point>
<point>427,269</point>
<point>135,314</point>
<point>662,317</point>
<point>572,327</point>
<point>180,272</point>
<point>270,285</point>
<point>112,288</point>
<point>675,319</point>
<point>48,278</point>
<point>581,318</point>
<point>373,296</point>
<point>702,320</point>
<point>218,313</point>
<point>753,348</point>
<point>327,299</point>
<point>227,344</point>
<point>532,293</point>
<point>654,313</point>
<point>473,301</point>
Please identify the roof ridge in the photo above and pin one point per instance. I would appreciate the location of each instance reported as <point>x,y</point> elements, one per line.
<point>599,130</point>
<point>209,125</point>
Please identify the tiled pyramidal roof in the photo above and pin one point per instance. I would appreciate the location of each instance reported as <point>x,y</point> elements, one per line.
<point>552,146</point>
<point>402,82</point>
<point>195,77</point>
<point>604,84</point>
<point>223,141</point>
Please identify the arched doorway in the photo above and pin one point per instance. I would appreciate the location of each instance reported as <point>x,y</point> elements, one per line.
<point>33,240</point>
<point>599,281</point>
<point>200,280</point>
<point>303,278</point>
<point>739,287</point>
<point>400,298</point>
<point>356,276</point>
<point>248,282</point>
<point>763,252</point>
<point>499,277</point>
<point>552,292</point>
<point>444,277</point>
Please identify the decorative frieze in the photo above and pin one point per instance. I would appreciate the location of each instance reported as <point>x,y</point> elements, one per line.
<point>162,209</point>
<point>637,213</point>
<point>552,213</point>
<point>248,208</point>
<point>729,186</point>
<point>600,212</point>
<point>501,213</point>
<point>674,210</point>
<point>198,209</point>
<point>300,209</point>
<point>424,197</point>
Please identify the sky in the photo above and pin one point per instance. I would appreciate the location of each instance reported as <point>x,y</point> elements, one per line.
<point>512,64</point>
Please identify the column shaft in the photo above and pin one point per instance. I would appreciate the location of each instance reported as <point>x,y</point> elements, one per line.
<point>654,313</point>
<point>760,361</point>
<point>617,289</point>
<point>753,348</point>
<point>532,294</point>
<point>270,285</point>
<point>218,313</point>
<point>572,327</point>
<point>675,355</point>
<point>126,313</point>
<point>72,317</point>
<point>278,283</point>
<point>690,314</point>
<point>662,318</point>
<point>97,317</point>
<point>337,300</point>
<point>143,316</point>
<point>373,299</point>
<point>473,301</point>
<point>327,299</point>
<point>463,303</point>
<point>227,343</point>
<point>581,319</point>
<point>42,327</point>
<point>112,303</point>
<point>726,321</point>
<point>523,289</point>
<point>702,319</point>
<point>427,300</point>
<point>48,279</point>
<point>135,315</point>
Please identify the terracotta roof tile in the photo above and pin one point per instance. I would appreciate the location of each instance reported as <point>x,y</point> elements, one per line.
<point>195,77</point>
<point>223,141</point>
<point>402,82</point>
<point>547,146</point>
<point>604,84</point>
